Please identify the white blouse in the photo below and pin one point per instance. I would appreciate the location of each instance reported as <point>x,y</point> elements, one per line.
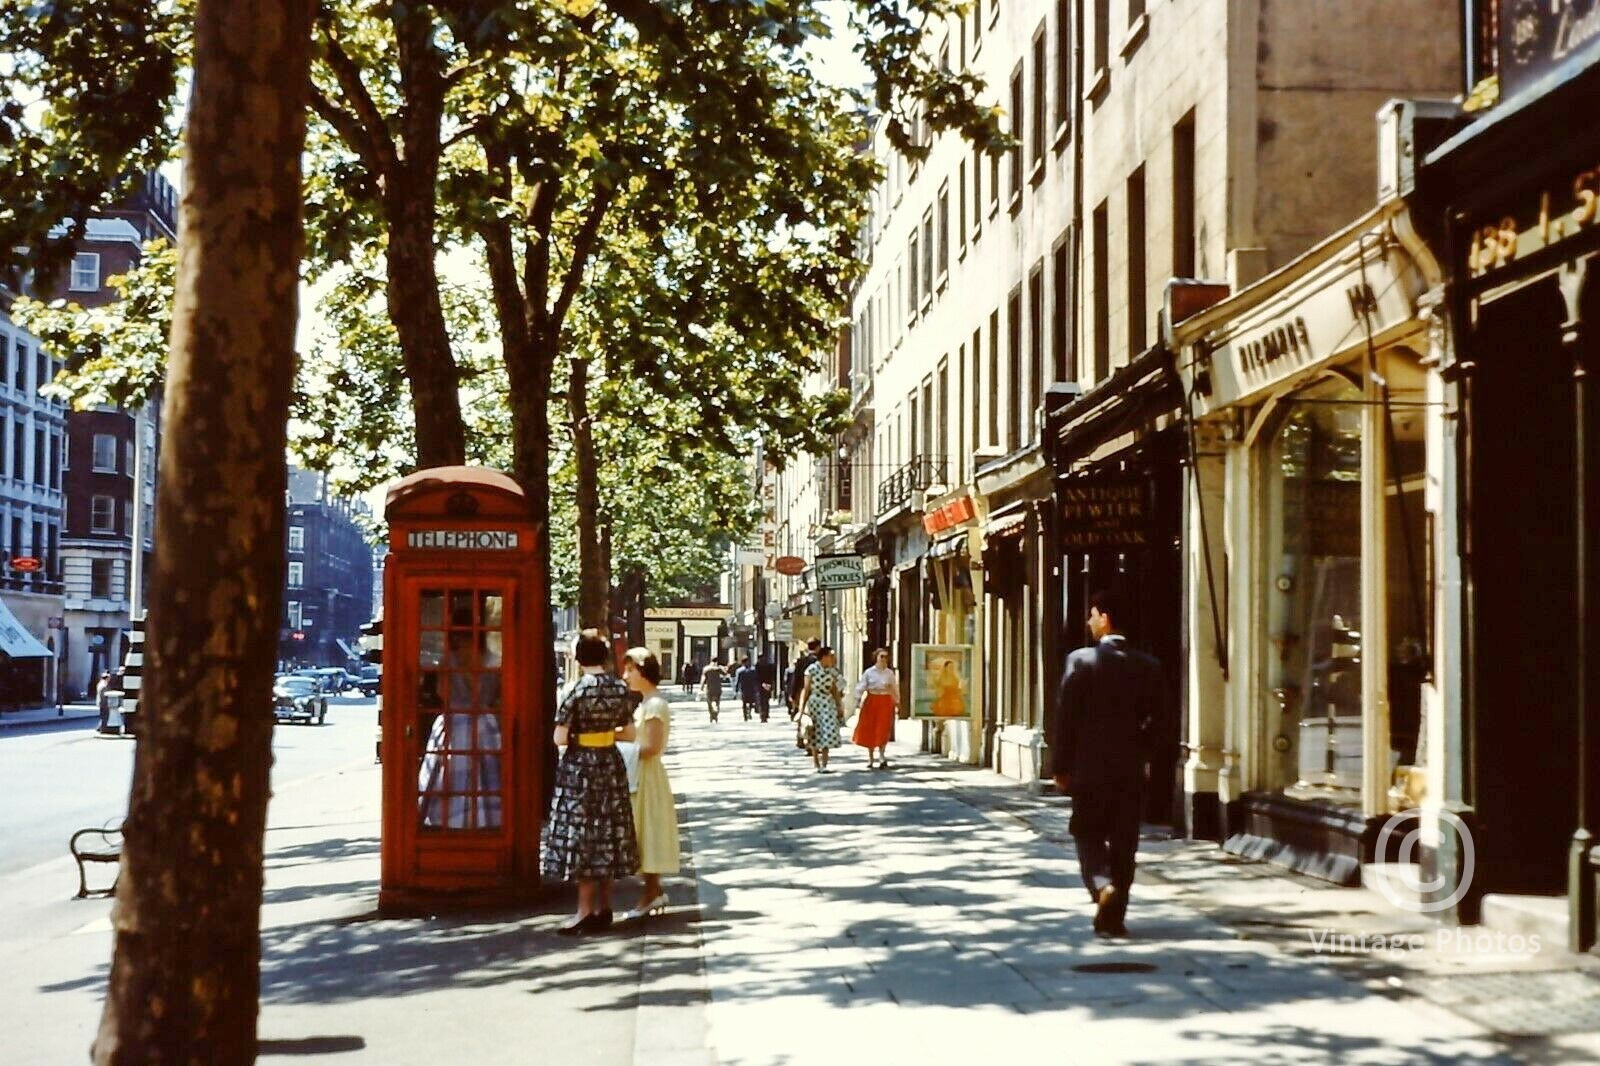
<point>877,681</point>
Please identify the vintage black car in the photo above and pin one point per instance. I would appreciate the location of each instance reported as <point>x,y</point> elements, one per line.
<point>298,699</point>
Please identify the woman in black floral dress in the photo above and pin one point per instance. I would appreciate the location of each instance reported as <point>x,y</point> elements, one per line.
<point>590,837</point>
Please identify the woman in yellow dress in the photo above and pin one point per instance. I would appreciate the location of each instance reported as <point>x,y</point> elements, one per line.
<point>655,818</point>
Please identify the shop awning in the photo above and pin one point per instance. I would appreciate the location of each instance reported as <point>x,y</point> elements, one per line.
<point>1007,523</point>
<point>15,641</point>
<point>955,544</point>
<point>1134,396</point>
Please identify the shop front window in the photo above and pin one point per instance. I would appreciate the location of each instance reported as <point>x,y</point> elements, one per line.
<point>1313,590</point>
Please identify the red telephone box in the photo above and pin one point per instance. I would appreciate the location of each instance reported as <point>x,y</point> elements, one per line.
<point>464,659</point>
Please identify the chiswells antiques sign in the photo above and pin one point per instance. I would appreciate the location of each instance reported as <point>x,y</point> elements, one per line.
<point>1107,513</point>
<point>839,572</point>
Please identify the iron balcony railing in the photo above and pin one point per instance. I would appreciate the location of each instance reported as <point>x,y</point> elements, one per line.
<point>898,488</point>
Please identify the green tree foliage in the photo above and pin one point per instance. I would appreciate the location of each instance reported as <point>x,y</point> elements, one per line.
<point>116,353</point>
<point>89,88</point>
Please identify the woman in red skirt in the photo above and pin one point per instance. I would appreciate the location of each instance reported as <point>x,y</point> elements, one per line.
<point>878,698</point>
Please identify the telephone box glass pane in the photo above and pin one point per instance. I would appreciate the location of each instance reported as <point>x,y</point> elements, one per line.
<point>460,609</point>
<point>490,607</point>
<point>432,648</point>
<point>432,613</point>
<point>458,776</point>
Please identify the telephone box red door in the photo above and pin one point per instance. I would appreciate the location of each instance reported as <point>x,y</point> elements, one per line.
<point>464,658</point>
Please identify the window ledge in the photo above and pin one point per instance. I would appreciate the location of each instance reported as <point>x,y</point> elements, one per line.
<point>961,256</point>
<point>994,207</point>
<point>977,228</point>
<point>1136,36</point>
<point>1098,86</point>
<point>1016,202</point>
<point>1063,137</point>
<point>944,282</point>
<point>927,303</point>
<point>1036,175</point>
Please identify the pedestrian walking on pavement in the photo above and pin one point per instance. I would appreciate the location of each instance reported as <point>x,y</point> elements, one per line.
<point>711,679</point>
<point>102,699</point>
<point>823,698</point>
<point>877,700</point>
<point>748,682</point>
<point>797,676</point>
<point>766,682</point>
<point>691,673</point>
<point>655,817</point>
<point>591,837</point>
<point>1109,695</point>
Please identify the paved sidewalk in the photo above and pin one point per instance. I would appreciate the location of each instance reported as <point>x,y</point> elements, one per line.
<point>928,914</point>
<point>850,916</point>
<point>33,717</point>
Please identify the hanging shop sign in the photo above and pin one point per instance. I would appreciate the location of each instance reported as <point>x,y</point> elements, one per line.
<point>839,572</point>
<point>949,515</point>
<point>806,627</point>
<point>1544,218</point>
<point>790,565</point>
<point>783,629</point>
<point>1536,36</point>
<point>750,554</point>
<point>1104,513</point>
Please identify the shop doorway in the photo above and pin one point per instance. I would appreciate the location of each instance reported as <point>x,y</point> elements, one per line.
<point>1522,561</point>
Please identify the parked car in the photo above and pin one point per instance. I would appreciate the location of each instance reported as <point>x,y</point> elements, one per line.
<point>371,682</point>
<point>296,698</point>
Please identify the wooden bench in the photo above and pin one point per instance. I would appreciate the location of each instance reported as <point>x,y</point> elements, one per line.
<point>103,844</point>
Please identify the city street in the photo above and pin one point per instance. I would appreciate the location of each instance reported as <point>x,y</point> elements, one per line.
<point>931,913</point>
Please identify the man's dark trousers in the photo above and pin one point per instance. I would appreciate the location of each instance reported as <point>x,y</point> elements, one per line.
<point>1105,828</point>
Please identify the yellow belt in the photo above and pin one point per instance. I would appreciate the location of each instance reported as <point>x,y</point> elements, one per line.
<point>596,740</point>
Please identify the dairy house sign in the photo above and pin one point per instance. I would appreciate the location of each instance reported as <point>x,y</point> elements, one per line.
<point>463,539</point>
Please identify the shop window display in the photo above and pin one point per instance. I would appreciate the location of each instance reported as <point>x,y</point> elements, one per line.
<point>1313,608</point>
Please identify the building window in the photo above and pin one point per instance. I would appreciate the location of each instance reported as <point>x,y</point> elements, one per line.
<point>976,411</point>
<point>41,458</point>
<point>297,575</point>
<point>1036,125</point>
<point>1063,64</point>
<point>293,610</point>
<point>977,193</point>
<point>100,575</point>
<point>994,182</point>
<point>1101,56</point>
<point>19,367</point>
<point>103,514</point>
<point>1183,213</point>
<point>297,538</point>
<point>1102,296</point>
<point>1136,272</point>
<point>19,448</point>
<point>958,418</point>
<point>1019,130</point>
<point>1135,11</point>
<point>993,391</point>
<point>1014,385</point>
<point>105,453</point>
<point>1035,390</point>
<point>944,235</point>
<point>977,25</point>
<point>85,272</point>
<point>912,287</point>
<point>1061,289</point>
<point>927,257</point>
<point>961,205</point>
